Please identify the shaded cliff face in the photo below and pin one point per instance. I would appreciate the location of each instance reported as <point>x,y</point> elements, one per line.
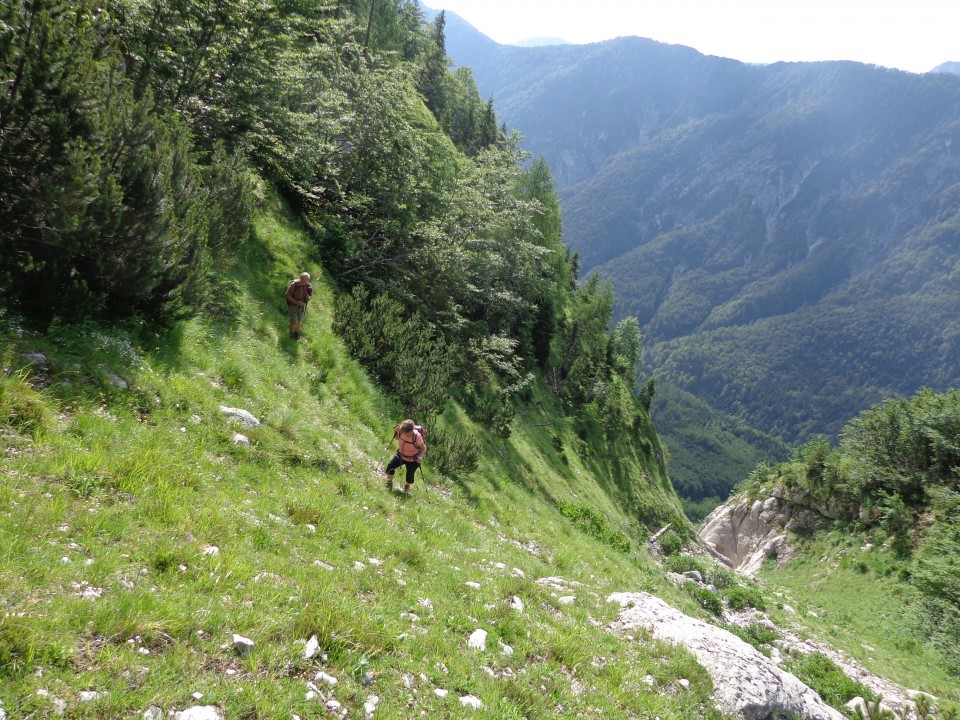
<point>788,235</point>
<point>746,532</point>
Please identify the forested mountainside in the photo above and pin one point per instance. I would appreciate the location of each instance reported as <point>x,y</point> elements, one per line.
<point>788,235</point>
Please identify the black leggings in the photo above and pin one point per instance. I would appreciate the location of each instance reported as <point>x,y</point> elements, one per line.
<point>397,461</point>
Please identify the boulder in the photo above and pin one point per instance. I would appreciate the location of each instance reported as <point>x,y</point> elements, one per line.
<point>242,416</point>
<point>747,683</point>
<point>201,712</point>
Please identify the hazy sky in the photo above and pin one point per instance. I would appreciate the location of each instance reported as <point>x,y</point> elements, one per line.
<point>914,35</point>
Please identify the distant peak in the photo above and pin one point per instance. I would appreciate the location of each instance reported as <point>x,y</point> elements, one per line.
<point>948,67</point>
<point>540,42</point>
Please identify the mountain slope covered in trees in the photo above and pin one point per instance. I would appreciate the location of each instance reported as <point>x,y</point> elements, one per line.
<point>786,234</point>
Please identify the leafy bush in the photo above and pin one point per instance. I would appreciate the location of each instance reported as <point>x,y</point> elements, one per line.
<point>740,598</point>
<point>720,577</point>
<point>594,524</point>
<point>671,543</point>
<point>454,453</point>
<point>683,563</point>
<point>757,634</point>
<point>825,676</point>
<point>707,599</point>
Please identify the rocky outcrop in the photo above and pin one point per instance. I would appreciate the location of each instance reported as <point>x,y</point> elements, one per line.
<point>746,683</point>
<point>745,532</point>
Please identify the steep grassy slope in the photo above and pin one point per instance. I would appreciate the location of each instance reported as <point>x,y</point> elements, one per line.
<point>121,475</point>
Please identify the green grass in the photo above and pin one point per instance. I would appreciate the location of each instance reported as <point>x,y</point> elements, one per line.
<point>112,499</point>
<point>849,595</point>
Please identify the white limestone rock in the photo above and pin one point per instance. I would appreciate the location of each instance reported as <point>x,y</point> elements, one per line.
<point>478,640</point>
<point>471,702</point>
<point>245,417</point>
<point>746,682</point>
<point>312,647</point>
<point>243,645</point>
<point>201,712</point>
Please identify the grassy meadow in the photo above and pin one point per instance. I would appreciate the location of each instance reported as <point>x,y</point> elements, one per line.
<point>138,536</point>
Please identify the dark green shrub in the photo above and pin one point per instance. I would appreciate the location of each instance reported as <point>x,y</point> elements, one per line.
<point>825,676</point>
<point>707,599</point>
<point>720,577</point>
<point>740,598</point>
<point>454,453</point>
<point>594,524</point>
<point>684,563</point>
<point>757,635</point>
<point>671,543</point>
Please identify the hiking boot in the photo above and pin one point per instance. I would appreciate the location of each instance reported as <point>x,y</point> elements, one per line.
<point>406,487</point>
<point>296,336</point>
<point>389,483</point>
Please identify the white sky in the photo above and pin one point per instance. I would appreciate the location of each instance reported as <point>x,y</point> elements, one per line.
<point>914,35</point>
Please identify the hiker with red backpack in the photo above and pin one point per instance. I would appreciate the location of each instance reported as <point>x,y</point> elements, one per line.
<point>410,452</point>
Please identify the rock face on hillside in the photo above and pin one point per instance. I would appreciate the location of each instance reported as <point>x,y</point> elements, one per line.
<point>744,532</point>
<point>746,682</point>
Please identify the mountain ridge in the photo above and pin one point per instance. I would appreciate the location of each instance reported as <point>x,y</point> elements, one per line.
<point>741,210</point>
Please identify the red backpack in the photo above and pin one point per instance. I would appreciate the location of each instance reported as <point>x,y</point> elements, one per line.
<point>403,444</point>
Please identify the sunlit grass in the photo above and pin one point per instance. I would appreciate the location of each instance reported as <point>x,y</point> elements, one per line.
<point>138,536</point>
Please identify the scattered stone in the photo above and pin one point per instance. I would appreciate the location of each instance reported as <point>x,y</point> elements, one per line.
<point>370,706</point>
<point>474,585</point>
<point>516,603</point>
<point>425,603</point>
<point>333,705</point>
<point>211,550</point>
<point>59,705</point>
<point>367,680</point>
<point>322,677</point>
<point>359,566</point>
<point>694,575</point>
<point>152,713</point>
<point>201,712</point>
<point>322,564</point>
<point>117,382</point>
<point>478,640</point>
<point>312,648</point>
<point>376,562</point>
<point>517,572</point>
<point>312,528</point>
<point>684,683</point>
<point>243,416</point>
<point>505,649</point>
<point>408,681</point>
<point>91,695</point>
<point>471,702</point>
<point>240,439</point>
<point>649,680</point>
<point>33,358</point>
<point>858,703</point>
<point>440,693</point>
<point>567,600</point>
<point>244,646</point>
